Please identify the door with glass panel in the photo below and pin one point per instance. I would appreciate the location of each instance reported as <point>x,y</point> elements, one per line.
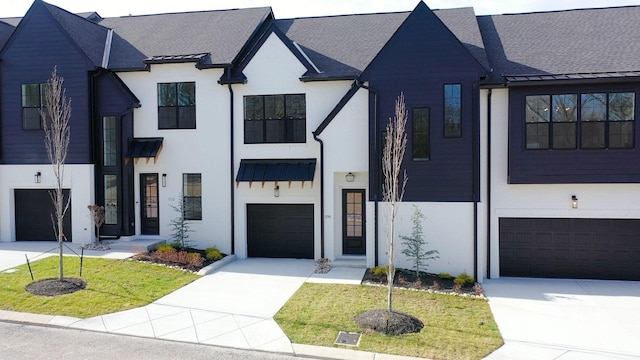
<point>149,219</point>
<point>353,222</point>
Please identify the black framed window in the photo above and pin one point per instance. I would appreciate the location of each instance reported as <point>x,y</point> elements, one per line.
<point>275,119</point>
<point>604,121</point>
<point>192,196</point>
<point>111,199</point>
<point>452,110</point>
<point>109,141</point>
<point>177,105</point>
<point>421,144</point>
<point>33,100</point>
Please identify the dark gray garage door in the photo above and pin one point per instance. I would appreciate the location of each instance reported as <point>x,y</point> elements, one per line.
<point>280,231</point>
<point>570,248</point>
<point>33,215</point>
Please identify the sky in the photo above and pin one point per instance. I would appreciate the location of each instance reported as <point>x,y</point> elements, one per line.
<point>304,8</point>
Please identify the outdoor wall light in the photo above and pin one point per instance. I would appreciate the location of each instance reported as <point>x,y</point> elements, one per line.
<point>37,177</point>
<point>276,191</point>
<point>350,177</point>
<point>164,180</point>
<point>574,201</point>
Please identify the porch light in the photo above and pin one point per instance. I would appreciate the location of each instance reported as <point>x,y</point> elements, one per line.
<point>164,180</point>
<point>37,177</point>
<point>350,177</point>
<point>574,201</point>
<point>276,191</point>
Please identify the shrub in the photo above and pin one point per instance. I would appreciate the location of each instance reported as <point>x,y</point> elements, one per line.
<point>477,289</point>
<point>183,258</point>
<point>464,279</point>
<point>457,288</point>
<point>380,270</point>
<point>165,248</point>
<point>213,253</point>
<point>436,285</point>
<point>444,276</point>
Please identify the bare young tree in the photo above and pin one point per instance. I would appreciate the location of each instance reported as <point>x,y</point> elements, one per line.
<point>55,122</point>
<point>394,181</point>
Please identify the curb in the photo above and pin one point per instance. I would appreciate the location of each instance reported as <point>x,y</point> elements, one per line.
<point>343,354</point>
<point>217,265</point>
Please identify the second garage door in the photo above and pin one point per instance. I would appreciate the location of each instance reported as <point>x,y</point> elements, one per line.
<point>33,209</point>
<point>280,230</point>
<point>570,248</point>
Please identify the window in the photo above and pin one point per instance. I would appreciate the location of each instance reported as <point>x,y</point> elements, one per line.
<point>192,196</point>
<point>110,199</point>
<point>274,119</point>
<point>109,136</point>
<point>605,121</point>
<point>177,105</point>
<point>452,111</point>
<point>421,143</point>
<point>33,99</point>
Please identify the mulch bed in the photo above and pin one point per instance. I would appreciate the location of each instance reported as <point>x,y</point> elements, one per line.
<point>388,322</point>
<point>54,287</point>
<point>148,257</point>
<point>426,281</point>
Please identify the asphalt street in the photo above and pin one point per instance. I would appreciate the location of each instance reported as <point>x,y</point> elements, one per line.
<point>34,342</point>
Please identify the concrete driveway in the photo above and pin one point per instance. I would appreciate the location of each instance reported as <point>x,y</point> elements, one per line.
<point>565,319</point>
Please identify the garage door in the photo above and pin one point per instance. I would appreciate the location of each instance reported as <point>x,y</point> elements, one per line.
<point>33,209</point>
<point>570,248</point>
<point>280,231</point>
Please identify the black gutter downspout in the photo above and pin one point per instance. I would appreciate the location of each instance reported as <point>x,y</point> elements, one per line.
<point>316,138</point>
<point>376,188</point>
<point>489,185</point>
<point>475,131</point>
<point>231,163</point>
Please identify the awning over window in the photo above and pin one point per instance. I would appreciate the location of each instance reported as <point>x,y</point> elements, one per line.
<point>261,170</point>
<point>144,148</point>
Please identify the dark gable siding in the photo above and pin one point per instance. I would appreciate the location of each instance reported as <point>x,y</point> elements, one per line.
<point>420,58</point>
<point>569,166</point>
<point>35,49</point>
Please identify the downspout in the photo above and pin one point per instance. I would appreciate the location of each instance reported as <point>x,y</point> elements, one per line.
<point>476,178</point>
<point>231,162</point>
<point>489,185</point>
<point>376,174</point>
<point>316,138</point>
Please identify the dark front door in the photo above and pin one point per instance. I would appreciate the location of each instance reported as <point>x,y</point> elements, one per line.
<point>149,204</point>
<point>353,222</point>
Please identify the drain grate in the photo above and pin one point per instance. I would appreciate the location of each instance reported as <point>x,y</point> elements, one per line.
<point>348,338</point>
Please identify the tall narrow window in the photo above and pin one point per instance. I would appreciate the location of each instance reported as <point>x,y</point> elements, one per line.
<point>33,100</point>
<point>537,116</point>
<point>109,137</point>
<point>177,105</point>
<point>421,144</point>
<point>452,111</point>
<point>192,196</point>
<point>110,199</point>
<point>274,119</point>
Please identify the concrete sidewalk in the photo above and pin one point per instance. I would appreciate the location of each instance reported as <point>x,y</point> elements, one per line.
<point>565,319</point>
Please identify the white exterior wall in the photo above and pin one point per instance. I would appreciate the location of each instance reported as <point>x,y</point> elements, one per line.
<point>204,150</point>
<point>78,178</point>
<point>546,200</point>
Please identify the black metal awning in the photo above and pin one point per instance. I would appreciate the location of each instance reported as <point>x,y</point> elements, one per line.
<point>262,170</point>
<point>144,148</point>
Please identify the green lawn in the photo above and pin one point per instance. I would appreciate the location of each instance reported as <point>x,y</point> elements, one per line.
<point>455,327</point>
<point>112,285</point>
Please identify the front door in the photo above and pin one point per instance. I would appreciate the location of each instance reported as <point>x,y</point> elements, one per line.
<point>149,204</point>
<point>353,222</point>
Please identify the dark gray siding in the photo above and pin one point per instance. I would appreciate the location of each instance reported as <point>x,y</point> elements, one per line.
<point>419,59</point>
<point>568,166</point>
<point>30,56</point>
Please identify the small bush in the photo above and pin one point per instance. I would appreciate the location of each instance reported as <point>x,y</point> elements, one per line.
<point>444,276</point>
<point>457,288</point>
<point>477,289</point>
<point>436,285</point>
<point>464,279</point>
<point>213,253</point>
<point>165,248</point>
<point>189,260</point>
<point>380,270</point>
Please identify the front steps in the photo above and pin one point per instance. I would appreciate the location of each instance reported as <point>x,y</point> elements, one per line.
<point>350,261</point>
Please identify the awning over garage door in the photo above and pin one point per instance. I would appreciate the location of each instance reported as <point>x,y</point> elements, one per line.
<point>570,248</point>
<point>262,170</point>
<point>280,230</point>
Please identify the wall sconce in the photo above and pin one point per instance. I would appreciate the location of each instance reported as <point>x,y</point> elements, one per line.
<point>276,191</point>
<point>350,177</point>
<point>574,201</point>
<point>164,180</point>
<point>37,177</point>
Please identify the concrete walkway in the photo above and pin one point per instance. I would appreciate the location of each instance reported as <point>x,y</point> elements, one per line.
<point>565,319</point>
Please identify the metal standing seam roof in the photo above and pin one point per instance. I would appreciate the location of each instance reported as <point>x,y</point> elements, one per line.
<point>144,148</point>
<point>261,170</point>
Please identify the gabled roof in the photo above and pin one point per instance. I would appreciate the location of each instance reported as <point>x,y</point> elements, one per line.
<point>580,42</point>
<point>220,33</point>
